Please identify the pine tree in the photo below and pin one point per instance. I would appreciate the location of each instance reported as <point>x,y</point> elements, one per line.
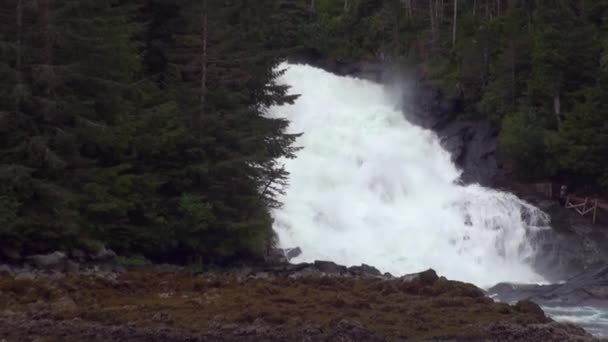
<point>72,63</point>
<point>209,192</point>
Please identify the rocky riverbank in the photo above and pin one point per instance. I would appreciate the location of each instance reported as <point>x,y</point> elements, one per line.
<point>308,302</point>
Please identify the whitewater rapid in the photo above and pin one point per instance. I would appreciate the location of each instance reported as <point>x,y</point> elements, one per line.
<point>369,187</point>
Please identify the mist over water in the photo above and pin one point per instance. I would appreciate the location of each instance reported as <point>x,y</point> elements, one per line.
<point>369,187</point>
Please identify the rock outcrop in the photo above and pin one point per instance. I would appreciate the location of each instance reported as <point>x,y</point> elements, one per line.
<point>328,303</point>
<point>55,260</point>
<point>589,288</point>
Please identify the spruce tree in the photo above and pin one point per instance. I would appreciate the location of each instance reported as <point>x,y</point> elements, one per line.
<point>72,66</point>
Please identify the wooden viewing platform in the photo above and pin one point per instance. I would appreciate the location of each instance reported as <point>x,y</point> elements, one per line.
<point>585,206</point>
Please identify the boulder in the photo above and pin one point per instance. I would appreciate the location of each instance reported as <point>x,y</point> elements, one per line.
<point>329,267</point>
<point>53,260</point>
<point>472,146</point>
<point>428,277</point>
<point>291,253</point>
<point>364,271</point>
<point>104,255</point>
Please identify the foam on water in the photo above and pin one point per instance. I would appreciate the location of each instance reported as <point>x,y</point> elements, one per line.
<point>594,320</point>
<point>369,187</point>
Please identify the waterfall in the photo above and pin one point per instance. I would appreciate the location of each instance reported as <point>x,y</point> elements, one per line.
<point>370,187</point>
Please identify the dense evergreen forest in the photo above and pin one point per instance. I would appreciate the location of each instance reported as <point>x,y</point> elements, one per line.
<point>139,124</point>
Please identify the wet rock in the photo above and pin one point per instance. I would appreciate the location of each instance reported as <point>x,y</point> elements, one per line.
<point>104,255</point>
<point>364,271</point>
<point>55,260</point>
<point>472,145</point>
<point>329,267</point>
<point>291,253</point>
<point>428,277</point>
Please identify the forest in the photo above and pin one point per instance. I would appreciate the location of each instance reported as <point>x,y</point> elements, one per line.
<point>537,69</point>
<point>140,126</point>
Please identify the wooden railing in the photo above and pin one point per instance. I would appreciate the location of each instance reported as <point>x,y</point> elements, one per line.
<point>583,206</point>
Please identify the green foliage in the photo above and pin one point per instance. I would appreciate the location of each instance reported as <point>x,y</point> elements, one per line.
<point>140,126</point>
<point>521,142</point>
<point>584,138</point>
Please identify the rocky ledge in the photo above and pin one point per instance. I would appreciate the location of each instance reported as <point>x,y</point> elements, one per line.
<point>306,302</point>
<point>588,289</point>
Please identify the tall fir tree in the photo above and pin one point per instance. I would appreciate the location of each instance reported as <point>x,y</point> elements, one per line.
<point>72,63</point>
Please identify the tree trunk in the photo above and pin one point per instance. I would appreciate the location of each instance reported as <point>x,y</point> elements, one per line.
<point>488,9</point>
<point>345,6</point>
<point>396,34</point>
<point>454,23</point>
<point>432,17</point>
<point>312,6</point>
<point>204,36</point>
<point>513,72</point>
<point>437,17</point>
<point>557,108</point>
<point>48,48</point>
<point>19,91</point>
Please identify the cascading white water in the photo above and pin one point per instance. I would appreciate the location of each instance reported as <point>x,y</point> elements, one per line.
<point>369,187</point>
